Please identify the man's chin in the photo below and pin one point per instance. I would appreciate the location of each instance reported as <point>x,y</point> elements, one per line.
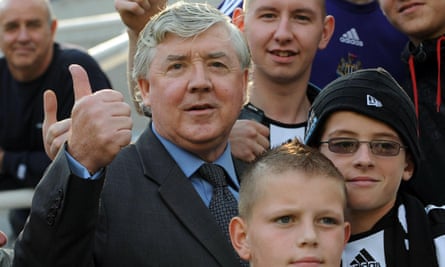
<point>22,63</point>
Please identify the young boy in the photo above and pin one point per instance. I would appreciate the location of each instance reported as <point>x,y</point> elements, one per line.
<point>291,210</point>
<point>366,125</point>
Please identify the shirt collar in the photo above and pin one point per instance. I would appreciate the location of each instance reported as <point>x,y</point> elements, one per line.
<point>190,163</point>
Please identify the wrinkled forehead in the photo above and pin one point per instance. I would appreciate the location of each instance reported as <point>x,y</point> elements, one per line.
<point>214,41</point>
<point>215,30</point>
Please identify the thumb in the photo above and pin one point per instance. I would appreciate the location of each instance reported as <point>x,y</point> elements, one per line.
<point>81,83</point>
<point>50,110</point>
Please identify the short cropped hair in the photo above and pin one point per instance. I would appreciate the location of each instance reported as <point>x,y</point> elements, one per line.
<point>49,8</point>
<point>292,156</point>
<point>51,15</point>
<point>186,20</point>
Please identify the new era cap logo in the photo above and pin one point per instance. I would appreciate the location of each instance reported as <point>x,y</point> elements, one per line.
<point>372,101</point>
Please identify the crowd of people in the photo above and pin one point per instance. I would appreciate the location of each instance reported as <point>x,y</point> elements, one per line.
<point>266,145</point>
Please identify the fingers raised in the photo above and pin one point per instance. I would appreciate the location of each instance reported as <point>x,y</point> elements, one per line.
<point>81,83</point>
<point>130,6</point>
<point>49,109</point>
<point>50,112</point>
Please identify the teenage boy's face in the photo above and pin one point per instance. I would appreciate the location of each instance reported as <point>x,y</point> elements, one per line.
<point>419,20</point>
<point>297,220</point>
<point>283,36</point>
<point>372,181</point>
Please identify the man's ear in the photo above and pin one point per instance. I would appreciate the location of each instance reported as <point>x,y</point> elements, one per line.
<point>144,91</point>
<point>409,167</point>
<point>238,18</point>
<point>238,236</point>
<point>53,28</point>
<point>328,31</point>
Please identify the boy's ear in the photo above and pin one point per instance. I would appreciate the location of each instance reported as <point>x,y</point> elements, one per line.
<point>238,236</point>
<point>409,167</point>
<point>347,226</point>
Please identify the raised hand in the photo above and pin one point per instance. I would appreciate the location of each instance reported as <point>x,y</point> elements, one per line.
<point>248,139</point>
<point>55,133</point>
<point>100,123</point>
<point>136,13</point>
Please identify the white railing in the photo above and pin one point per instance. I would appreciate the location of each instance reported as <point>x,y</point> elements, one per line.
<point>109,54</point>
<point>16,199</point>
<point>88,22</point>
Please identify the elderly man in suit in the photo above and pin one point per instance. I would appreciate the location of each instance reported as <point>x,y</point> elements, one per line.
<point>105,202</point>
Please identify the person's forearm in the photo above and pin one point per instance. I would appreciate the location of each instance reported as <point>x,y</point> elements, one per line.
<point>132,47</point>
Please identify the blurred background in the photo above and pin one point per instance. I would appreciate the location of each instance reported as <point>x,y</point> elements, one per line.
<point>95,26</point>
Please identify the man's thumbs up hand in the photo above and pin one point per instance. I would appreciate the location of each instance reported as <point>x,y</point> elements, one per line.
<point>100,123</point>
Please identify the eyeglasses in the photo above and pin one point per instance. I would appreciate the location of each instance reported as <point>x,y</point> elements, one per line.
<point>351,145</point>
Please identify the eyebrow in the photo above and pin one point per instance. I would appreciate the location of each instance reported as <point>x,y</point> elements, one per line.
<point>293,11</point>
<point>27,21</point>
<point>212,55</point>
<point>265,8</point>
<point>176,57</point>
<point>217,54</point>
<point>378,135</point>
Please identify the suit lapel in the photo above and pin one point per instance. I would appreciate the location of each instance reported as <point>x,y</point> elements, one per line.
<point>190,209</point>
<point>182,199</point>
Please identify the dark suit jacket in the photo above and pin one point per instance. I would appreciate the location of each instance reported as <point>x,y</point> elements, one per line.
<point>144,212</point>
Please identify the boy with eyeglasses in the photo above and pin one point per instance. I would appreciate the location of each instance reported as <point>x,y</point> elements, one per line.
<point>366,125</point>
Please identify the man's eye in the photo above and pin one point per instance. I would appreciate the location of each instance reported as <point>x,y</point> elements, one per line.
<point>34,25</point>
<point>176,66</point>
<point>10,27</point>
<point>218,64</point>
<point>302,18</point>
<point>267,16</point>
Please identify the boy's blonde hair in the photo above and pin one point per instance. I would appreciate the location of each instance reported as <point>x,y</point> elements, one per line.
<point>292,156</point>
